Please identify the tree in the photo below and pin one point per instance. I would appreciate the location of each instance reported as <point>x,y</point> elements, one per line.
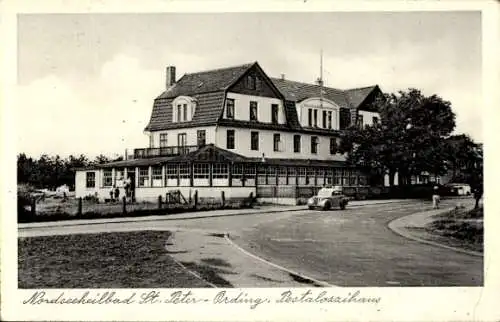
<point>464,158</point>
<point>101,159</point>
<point>408,139</point>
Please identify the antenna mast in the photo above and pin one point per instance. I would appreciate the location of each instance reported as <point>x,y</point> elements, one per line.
<point>320,81</point>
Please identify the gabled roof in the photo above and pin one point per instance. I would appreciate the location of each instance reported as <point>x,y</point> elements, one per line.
<point>206,81</point>
<point>299,91</point>
<point>357,96</point>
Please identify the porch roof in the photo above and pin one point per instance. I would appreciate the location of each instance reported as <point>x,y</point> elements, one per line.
<point>213,154</point>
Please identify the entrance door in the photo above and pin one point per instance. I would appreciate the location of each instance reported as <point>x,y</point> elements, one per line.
<point>131,176</point>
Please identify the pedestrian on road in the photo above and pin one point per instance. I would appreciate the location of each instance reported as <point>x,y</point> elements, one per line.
<point>478,193</point>
<point>436,198</point>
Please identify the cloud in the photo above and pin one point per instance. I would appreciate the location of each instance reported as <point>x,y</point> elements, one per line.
<point>104,115</point>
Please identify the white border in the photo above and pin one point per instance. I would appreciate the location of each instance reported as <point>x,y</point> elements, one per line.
<point>401,304</point>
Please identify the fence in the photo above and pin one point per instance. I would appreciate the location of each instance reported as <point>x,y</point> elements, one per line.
<point>298,192</point>
<point>173,202</point>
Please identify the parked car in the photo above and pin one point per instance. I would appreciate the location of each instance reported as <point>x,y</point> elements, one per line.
<point>460,189</point>
<point>327,198</point>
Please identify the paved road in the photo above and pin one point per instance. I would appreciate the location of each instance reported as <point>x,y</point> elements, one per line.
<point>353,247</point>
<point>356,248</point>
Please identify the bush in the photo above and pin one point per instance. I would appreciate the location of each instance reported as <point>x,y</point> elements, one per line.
<point>420,191</point>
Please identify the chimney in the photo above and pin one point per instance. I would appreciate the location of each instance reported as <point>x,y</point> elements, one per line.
<point>283,76</point>
<point>170,79</point>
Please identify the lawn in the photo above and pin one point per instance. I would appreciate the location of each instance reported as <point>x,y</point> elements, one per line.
<point>105,260</point>
<point>459,228</point>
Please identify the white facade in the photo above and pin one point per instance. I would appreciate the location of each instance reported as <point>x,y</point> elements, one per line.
<point>368,117</point>
<point>242,108</point>
<point>327,113</point>
<point>286,148</point>
<point>172,136</point>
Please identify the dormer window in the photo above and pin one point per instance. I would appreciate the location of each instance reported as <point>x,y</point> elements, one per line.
<point>183,108</point>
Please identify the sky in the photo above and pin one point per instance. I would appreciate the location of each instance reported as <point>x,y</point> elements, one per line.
<point>86,82</point>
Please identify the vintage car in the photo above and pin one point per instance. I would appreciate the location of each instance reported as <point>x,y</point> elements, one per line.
<point>459,189</point>
<point>327,198</point>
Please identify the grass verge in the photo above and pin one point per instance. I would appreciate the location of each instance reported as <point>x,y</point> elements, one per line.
<point>459,228</point>
<point>105,260</point>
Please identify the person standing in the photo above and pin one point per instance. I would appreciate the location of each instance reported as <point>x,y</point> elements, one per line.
<point>478,193</point>
<point>117,194</point>
<point>436,198</point>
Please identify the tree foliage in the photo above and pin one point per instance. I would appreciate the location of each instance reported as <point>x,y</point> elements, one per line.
<point>53,171</point>
<point>412,136</point>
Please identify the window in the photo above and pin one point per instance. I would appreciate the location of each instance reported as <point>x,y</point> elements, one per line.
<point>314,144</point>
<point>258,83</point>
<point>107,178</point>
<point>375,120</point>
<point>276,140</point>
<point>309,117</point>
<point>253,111</point>
<point>360,120</point>
<point>230,139</point>
<point>250,84</point>
<point>324,119</point>
<point>329,119</point>
<point>183,108</point>
<point>184,112</point>
<point>181,139</point>
<point>163,140</point>
<point>151,141</point>
<point>201,170</point>
<point>171,171</point>
<point>230,108</point>
<point>254,141</point>
<point>184,171</point>
<point>90,179</point>
<point>249,170</point>
<point>156,176</point>
<point>271,175</point>
<point>143,177</point>
<point>201,138</point>
<point>333,145</point>
<point>296,143</point>
<point>179,112</point>
<point>315,118</point>
<point>274,113</point>
<point>237,171</point>
<point>220,171</point>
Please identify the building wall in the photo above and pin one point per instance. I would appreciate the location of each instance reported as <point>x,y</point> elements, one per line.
<point>242,107</point>
<point>368,117</point>
<point>191,135</point>
<point>266,145</point>
<point>81,189</point>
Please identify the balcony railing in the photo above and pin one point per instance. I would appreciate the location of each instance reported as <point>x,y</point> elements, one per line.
<point>164,152</point>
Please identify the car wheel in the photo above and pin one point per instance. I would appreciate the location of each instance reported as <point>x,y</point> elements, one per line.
<point>310,207</point>
<point>327,206</point>
<point>342,205</point>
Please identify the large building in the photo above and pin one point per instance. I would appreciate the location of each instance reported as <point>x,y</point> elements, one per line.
<point>239,131</point>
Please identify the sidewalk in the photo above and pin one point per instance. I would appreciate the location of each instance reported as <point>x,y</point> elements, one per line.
<point>196,215</point>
